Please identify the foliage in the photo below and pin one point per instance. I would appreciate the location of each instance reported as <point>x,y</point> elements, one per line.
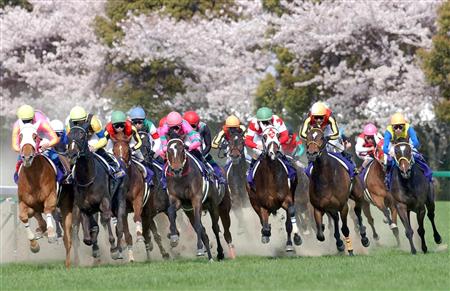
<point>21,3</point>
<point>436,62</point>
<point>274,6</point>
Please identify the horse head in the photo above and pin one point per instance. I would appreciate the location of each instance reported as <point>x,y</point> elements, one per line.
<point>403,157</point>
<point>315,143</point>
<point>78,143</point>
<point>121,148</point>
<point>29,142</point>
<point>270,141</point>
<point>176,156</point>
<point>236,146</point>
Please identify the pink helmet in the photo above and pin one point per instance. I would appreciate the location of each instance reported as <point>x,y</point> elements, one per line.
<point>174,118</point>
<point>370,129</point>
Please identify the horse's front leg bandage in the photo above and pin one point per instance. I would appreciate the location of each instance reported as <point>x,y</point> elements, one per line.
<point>49,220</point>
<point>348,243</point>
<point>30,234</point>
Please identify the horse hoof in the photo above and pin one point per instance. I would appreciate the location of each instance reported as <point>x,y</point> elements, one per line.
<point>297,239</point>
<point>413,251</point>
<point>38,235</point>
<point>350,253</point>
<point>376,237</point>
<point>174,240</point>
<point>289,248</point>
<point>437,239</point>
<point>320,237</point>
<point>424,249</point>
<point>365,242</point>
<point>87,242</point>
<point>96,253</point>
<point>265,239</point>
<point>116,255</point>
<point>393,226</point>
<point>200,252</point>
<point>220,257</point>
<point>340,247</point>
<point>165,256</point>
<point>34,246</point>
<point>52,239</point>
<point>139,238</point>
<point>231,252</point>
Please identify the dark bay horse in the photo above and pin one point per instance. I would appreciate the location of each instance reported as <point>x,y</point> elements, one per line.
<point>376,193</point>
<point>272,190</point>
<point>37,192</point>
<point>133,187</point>
<point>94,191</point>
<point>188,188</point>
<point>412,192</point>
<point>330,187</point>
<point>236,175</point>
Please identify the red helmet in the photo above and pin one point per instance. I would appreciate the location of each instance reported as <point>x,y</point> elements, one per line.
<point>191,117</point>
<point>162,121</point>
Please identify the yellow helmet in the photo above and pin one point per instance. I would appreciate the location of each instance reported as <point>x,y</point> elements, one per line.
<point>318,109</point>
<point>232,121</point>
<point>25,112</point>
<point>78,113</point>
<point>398,118</point>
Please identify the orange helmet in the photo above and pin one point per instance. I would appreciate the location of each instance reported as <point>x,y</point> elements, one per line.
<point>398,118</point>
<point>319,109</point>
<point>232,121</point>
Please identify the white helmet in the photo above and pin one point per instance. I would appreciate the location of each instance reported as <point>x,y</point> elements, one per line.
<point>57,125</point>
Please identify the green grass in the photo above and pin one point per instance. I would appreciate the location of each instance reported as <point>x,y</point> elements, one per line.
<point>383,268</point>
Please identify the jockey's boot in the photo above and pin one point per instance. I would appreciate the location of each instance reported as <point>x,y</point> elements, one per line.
<point>118,172</point>
<point>16,173</point>
<point>60,170</point>
<point>349,158</point>
<point>218,174</point>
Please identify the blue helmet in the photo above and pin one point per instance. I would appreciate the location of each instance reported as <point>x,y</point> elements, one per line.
<point>137,113</point>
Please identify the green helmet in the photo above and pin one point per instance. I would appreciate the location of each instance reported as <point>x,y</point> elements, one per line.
<point>264,113</point>
<point>118,117</point>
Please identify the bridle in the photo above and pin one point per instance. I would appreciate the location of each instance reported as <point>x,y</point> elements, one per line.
<point>321,147</point>
<point>172,145</point>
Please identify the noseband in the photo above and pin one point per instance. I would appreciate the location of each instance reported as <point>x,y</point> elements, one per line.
<point>82,144</point>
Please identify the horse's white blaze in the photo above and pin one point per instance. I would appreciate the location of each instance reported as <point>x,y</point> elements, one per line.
<point>72,145</point>
<point>28,132</point>
<point>49,220</point>
<point>314,135</point>
<point>173,146</point>
<point>120,151</point>
<point>402,148</point>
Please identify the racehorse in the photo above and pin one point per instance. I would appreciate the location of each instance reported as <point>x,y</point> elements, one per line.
<point>157,202</point>
<point>134,187</point>
<point>188,187</point>
<point>37,191</point>
<point>273,189</point>
<point>94,191</point>
<point>376,193</point>
<point>236,175</point>
<point>412,192</point>
<point>330,187</point>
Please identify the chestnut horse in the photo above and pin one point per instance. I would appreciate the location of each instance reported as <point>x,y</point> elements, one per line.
<point>273,190</point>
<point>330,187</point>
<point>376,193</point>
<point>236,175</point>
<point>37,191</point>
<point>188,188</point>
<point>412,192</point>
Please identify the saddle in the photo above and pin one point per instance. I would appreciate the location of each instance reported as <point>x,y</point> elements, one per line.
<point>350,167</point>
<point>291,172</point>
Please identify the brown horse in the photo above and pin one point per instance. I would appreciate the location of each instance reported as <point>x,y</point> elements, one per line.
<point>329,188</point>
<point>37,192</point>
<point>412,192</point>
<point>236,175</point>
<point>188,188</point>
<point>134,188</point>
<point>376,193</point>
<point>272,190</point>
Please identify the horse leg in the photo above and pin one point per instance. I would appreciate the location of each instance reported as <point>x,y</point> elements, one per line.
<point>318,216</point>
<point>85,225</point>
<point>24,214</point>
<point>58,221</point>
<point>158,239</point>
<point>42,225</point>
<point>214,214</point>
<point>345,230</point>
<point>105,208</point>
<point>93,231</point>
<point>128,239</point>
<point>292,217</point>
<point>66,219</point>
<point>368,214</point>
<point>146,233</point>
<point>121,217</point>
<point>404,216</point>
<point>49,207</point>
<point>199,229</point>
<point>362,229</point>
<point>421,229</point>
<point>137,218</point>
<point>288,225</point>
<point>265,231</point>
<point>339,243</point>
<point>75,228</point>
<point>172,213</point>
<point>224,213</point>
<point>430,213</point>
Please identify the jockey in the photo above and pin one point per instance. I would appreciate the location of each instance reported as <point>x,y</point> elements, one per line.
<point>175,124</point>
<point>321,116</point>
<point>120,123</point>
<point>222,139</point>
<point>93,125</point>
<point>366,144</point>
<point>294,146</point>
<point>27,114</point>
<point>253,139</point>
<point>161,123</point>
<point>58,126</point>
<point>205,134</point>
<point>399,128</point>
<point>139,120</point>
